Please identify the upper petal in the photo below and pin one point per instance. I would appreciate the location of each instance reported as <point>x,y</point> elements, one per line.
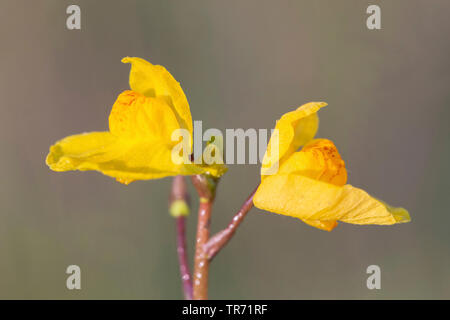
<point>293,130</point>
<point>155,81</point>
<point>135,116</point>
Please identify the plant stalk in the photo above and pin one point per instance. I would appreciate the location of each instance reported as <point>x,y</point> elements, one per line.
<point>182,258</point>
<point>206,187</point>
<point>201,264</point>
<point>220,239</point>
<point>179,208</point>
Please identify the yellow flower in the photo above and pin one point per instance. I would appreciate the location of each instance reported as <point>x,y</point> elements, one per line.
<point>310,184</point>
<point>138,145</point>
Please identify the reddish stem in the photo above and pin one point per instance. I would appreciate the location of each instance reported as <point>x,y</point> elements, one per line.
<point>182,257</point>
<point>201,264</point>
<point>179,192</point>
<point>220,239</point>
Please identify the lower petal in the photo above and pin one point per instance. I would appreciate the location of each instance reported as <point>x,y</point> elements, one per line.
<point>126,160</point>
<point>313,200</point>
<point>323,225</point>
<point>80,151</point>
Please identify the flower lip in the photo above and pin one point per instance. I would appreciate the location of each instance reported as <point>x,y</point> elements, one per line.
<point>138,145</point>
<point>311,183</point>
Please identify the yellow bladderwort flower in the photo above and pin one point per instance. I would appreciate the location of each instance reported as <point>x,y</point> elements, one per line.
<point>310,184</point>
<point>138,145</point>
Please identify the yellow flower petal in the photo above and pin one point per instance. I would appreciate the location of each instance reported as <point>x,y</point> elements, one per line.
<point>312,200</point>
<point>293,130</point>
<point>155,81</point>
<point>71,153</point>
<point>124,159</point>
<point>135,116</point>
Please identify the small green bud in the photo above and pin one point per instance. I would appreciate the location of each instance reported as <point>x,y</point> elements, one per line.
<point>179,208</point>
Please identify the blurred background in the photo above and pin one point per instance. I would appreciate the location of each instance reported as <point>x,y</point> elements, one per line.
<point>242,64</point>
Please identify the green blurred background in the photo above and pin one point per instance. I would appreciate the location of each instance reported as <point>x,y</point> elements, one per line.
<point>242,64</point>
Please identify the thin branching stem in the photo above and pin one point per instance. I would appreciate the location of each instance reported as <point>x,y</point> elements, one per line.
<point>179,193</point>
<point>220,239</point>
